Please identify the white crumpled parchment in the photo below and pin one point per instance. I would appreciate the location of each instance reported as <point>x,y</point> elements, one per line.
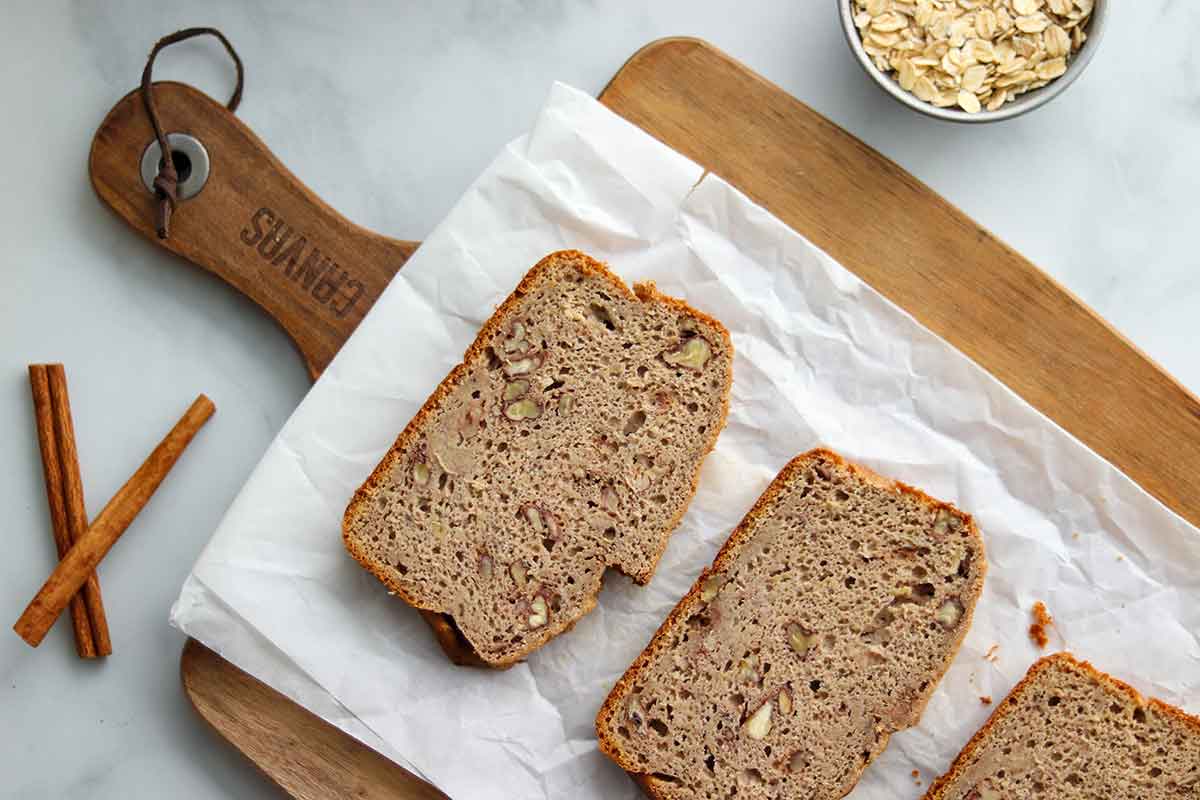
<point>821,359</point>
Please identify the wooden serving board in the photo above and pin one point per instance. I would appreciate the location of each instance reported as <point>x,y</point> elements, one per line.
<point>866,212</point>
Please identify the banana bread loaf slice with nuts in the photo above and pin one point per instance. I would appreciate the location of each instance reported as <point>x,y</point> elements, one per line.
<point>822,627</point>
<point>1069,732</point>
<point>568,441</point>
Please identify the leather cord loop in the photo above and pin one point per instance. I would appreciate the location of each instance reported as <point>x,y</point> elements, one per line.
<point>166,183</point>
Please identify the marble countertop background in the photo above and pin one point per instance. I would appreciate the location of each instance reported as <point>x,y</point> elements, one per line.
<point>387,111</point>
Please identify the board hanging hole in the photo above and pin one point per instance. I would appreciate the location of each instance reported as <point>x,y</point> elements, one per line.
<point>190,160</point>
<point>183,164</point>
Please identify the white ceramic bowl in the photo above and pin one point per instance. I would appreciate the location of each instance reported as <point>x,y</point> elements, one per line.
<point>1021,105</point>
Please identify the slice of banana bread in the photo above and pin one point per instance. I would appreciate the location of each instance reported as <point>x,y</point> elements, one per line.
<point>568,441</point>
<point>1069,731</point>
<point>822,627</point>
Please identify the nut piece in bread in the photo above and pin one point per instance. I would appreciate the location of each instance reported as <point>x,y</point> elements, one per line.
<point>568,441</point>
<point>822,627</point>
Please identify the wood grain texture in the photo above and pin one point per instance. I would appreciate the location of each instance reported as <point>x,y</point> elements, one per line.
<point>253,224</point>
<point>880,222</point>
<point>923,254</point>
<point>305,756</point>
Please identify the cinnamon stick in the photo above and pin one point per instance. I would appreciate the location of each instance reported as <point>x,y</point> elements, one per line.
<point>52,473</point>
<point>72,490</point>
<point>72,571</point>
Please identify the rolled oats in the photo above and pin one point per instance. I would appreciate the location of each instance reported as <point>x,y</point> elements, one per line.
<point>973,54</point>
<point>1057,41</point>
<point>924,89</point>
<point>1034,23</point>
<point>1049,70</point>
<point>973,79</point>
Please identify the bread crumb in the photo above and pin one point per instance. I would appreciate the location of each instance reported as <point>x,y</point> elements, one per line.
<point>990,655</point>
<point>986,699</point>
<point>1075,535</point>
<point>916,776</point>
<point>1042,620</point>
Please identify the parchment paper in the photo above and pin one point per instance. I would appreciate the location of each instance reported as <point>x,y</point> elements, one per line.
<point>821,359</point>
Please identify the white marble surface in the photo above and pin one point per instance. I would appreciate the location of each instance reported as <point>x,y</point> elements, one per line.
<point>387,111</point>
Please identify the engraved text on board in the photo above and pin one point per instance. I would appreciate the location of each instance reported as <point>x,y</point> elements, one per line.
<point>302,262</point>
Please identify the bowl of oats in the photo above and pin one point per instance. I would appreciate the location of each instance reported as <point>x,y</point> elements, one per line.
<point>973,60</point>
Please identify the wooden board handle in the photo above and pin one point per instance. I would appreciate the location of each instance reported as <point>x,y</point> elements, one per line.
<point>304,755</point>
<point>252,224</point>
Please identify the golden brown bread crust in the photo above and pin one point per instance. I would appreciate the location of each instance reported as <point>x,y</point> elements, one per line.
<point>452,642</point>
<point>723,561</point>
<point>938,788</point>
<point>457,649</point>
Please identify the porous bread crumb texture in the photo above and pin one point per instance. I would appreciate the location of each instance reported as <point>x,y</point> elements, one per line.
<point>1069,731</point>
<point>823,626</point>
<point>568,441</point>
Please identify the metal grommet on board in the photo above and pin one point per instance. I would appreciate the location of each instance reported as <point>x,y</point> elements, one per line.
<point>191,161</point>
